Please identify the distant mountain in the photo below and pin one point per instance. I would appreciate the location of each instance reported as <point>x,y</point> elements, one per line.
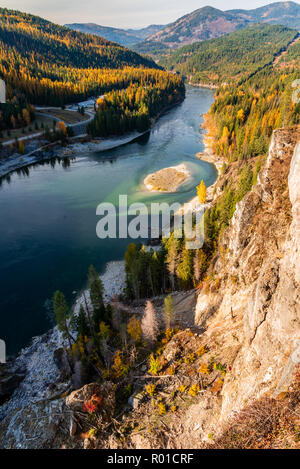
<point>146,32</point>
<point>125,37</point>
<point>208,23</point>
<point>287,13</point>
<point>200,25</point>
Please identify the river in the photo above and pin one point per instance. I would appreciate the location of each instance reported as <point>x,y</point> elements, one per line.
<point>48,214</point>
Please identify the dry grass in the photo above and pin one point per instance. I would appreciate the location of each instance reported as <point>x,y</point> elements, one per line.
<point>69,117</point>
<point>28,130</point>
<point>266,424</point>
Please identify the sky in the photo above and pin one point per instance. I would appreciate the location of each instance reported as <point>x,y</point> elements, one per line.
<point>121,13</point>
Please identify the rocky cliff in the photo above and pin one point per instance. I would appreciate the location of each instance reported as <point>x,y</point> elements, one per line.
<point>258,307</point>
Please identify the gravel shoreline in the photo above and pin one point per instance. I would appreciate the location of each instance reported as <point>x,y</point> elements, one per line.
<point>18,161</point>
<point>165,180</point>
<point>38,361</point>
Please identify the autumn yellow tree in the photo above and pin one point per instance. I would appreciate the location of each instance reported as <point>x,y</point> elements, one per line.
<point>201,192</point>
<point>241,115</point>
<point>134,328</point>
<point>21,148</point>
<point>61,127</point>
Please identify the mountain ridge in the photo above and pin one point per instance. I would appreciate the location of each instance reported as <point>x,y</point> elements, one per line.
<point>241,54</point>
<point>209,23</point>
<point>124,37</point>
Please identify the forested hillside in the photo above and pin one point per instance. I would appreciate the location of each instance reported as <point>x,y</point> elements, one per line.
<point>230,57</point>
<point>287,13</point>
<point>239,127</point>
<point>243,117</point>
<point>51,64</point>
<point>132,108</point>
<point>46,64</point>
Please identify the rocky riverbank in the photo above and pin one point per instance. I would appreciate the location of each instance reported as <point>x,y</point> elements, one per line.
<point>37,153</point>
<point>36,372</point>
<point>40,150</point>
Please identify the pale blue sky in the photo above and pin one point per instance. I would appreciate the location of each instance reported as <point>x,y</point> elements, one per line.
<point>121,13</point>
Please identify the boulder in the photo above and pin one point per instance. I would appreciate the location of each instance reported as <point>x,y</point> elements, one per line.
<point>75,401</point>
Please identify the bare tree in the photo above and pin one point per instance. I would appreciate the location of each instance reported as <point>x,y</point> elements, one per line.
<point>172,259</point>
<point>150,327</point>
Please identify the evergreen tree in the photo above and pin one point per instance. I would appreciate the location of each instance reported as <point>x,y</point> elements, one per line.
<point>172,247</point>
<point>245,182</point>
<point>96,295</point>
<point>81,323</point>
<point>168,311</point>
<point>61,311</point>
<point>200,264</point>
<point>185,268</point>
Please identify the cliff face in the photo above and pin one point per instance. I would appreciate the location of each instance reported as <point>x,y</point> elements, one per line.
<point>257,304</point>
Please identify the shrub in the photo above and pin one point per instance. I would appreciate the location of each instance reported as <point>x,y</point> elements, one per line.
<point>162,408</point>
<point>204,369</point>
<point>182,388</point>
<point>154,365</point>
<point>119,366</point>
<point>93,404</point>
<point>202,350</point>
<point>190,358</point>
<point>194,389</point>
<point>171,370</point>
<point>151,389</point>
<point>134,329</point>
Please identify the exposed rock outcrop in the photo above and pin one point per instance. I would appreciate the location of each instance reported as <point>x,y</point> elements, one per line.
<point>260,288</point>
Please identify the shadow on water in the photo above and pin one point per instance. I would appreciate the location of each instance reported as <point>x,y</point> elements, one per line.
<point>25,171</point>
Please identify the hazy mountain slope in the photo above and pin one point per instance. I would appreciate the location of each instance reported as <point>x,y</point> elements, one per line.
<point>125,37</point>
<point>287,13</point>
<point>112,34</point>
<point>143,33</point>
<point>233,56</point>
<point>204,23</point>
<point>208,23</point>
<point>27,35</point>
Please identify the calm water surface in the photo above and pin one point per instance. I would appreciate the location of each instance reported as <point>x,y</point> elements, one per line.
<point>48,216</point>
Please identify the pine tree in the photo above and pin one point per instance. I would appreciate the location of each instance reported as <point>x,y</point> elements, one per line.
<point>168,311</point>
<point>185,268</point>
<point>199,265</point>
<point>150,328</point>
<point>245,182</point>
<point>81,323</point>
<point>61,311</point>
<point>96,295</point>
<point>172,247</point>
